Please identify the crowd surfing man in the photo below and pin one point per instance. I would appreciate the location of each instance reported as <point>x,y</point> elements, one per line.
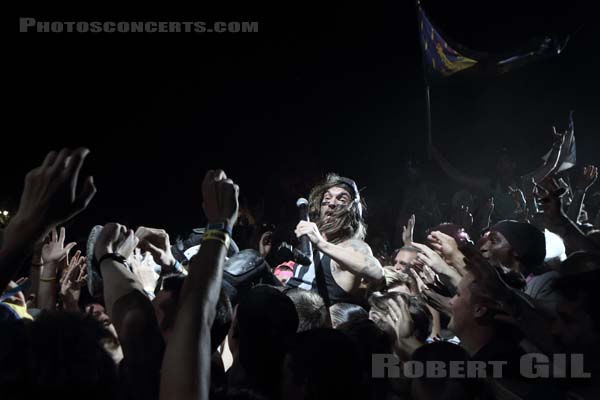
<point>337,234</point>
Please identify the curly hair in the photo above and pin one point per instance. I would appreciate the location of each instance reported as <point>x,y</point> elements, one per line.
<point>345,222</point>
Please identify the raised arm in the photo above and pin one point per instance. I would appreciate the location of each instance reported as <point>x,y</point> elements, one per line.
<point>186,365</point>
<point>50,197</point>
<point>131,312</point>
<point>581,184</point>
<point>550,164</point>
<point>55,257</point>
<point>556,220</point>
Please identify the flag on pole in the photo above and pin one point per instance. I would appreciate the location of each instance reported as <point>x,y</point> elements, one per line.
<point>443,57</point>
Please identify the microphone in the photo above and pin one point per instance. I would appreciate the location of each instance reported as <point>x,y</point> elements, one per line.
<point>286,252</point>
<point>302,205</point>
<point>305,246</point>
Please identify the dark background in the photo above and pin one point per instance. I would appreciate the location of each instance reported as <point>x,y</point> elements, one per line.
<point>319,88</point>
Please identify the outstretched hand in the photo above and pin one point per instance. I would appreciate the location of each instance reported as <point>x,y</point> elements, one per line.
<point>157,242</point>
<point>446,246</point>
<point>586,178</point>
<point>72,280</point>
<point>518,198</point>
<point>220,196</point>
<point>54,250</point>
<point>408,231</point>
<point>51,196</point>
<point>115,238</point>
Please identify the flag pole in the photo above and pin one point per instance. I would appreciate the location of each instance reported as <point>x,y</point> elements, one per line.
<point>427,94</point>
<point>429,137</point>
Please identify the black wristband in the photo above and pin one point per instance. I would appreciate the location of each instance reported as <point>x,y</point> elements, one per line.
<point>115,257</point>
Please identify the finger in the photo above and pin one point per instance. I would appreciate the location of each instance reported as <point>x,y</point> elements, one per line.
<point>219,175</point>
<point>441,236</point>
<point>82,272</point>
<point>59,162</point>
<point>87,193</point>
<point>69,247</point>
<point>153,250</point>
<point>420,283</point>
<point>393,311</point>
<point>396,306</point>
<point>61,236</point>
<point>209,178</point>
<point>424,259</point>
<point>21,280</point>
<point>74,166</point>
<point>425,250</point>
<point>437,247</point>
<point>54,235</point>
<point>141,231</point>
<point>49,160</point>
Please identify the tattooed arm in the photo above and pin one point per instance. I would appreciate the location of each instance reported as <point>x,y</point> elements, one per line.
<point>354,256</point>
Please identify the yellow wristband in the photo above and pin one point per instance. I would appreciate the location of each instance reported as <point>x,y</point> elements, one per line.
<point>219,236</point>
<point>47,279</point>
<point>217,239</point>
<point>211,232</point>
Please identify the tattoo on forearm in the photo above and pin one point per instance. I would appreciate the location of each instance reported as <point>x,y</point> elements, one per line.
<point>369,263</point>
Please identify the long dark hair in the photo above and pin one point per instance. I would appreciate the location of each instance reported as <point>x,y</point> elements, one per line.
<point>345,222</point>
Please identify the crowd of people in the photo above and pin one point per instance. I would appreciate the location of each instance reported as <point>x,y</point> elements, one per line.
<point>494,300</point>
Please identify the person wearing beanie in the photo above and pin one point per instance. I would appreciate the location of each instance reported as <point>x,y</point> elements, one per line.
<point>521,247</point>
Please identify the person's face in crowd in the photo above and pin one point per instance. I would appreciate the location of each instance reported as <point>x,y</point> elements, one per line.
<point>463,309</point>
<point>334,197</point>
<point>404,259</point>
<point>497,250</point>
<point>98,312</point>
<point>574,329</point>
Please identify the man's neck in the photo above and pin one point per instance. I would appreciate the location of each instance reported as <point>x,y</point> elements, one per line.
<point>474,338</point>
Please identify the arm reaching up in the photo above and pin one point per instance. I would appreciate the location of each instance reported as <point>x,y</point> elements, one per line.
<point>50,197</point>
<point>131,312</point>
<point>581,184</point>
<point>186,365</point>
<point>551,163</point>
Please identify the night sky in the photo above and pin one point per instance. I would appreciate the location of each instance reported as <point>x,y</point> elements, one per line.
<point>317,89</point>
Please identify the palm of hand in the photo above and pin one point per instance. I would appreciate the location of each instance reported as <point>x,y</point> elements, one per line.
<point>53,253</point>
